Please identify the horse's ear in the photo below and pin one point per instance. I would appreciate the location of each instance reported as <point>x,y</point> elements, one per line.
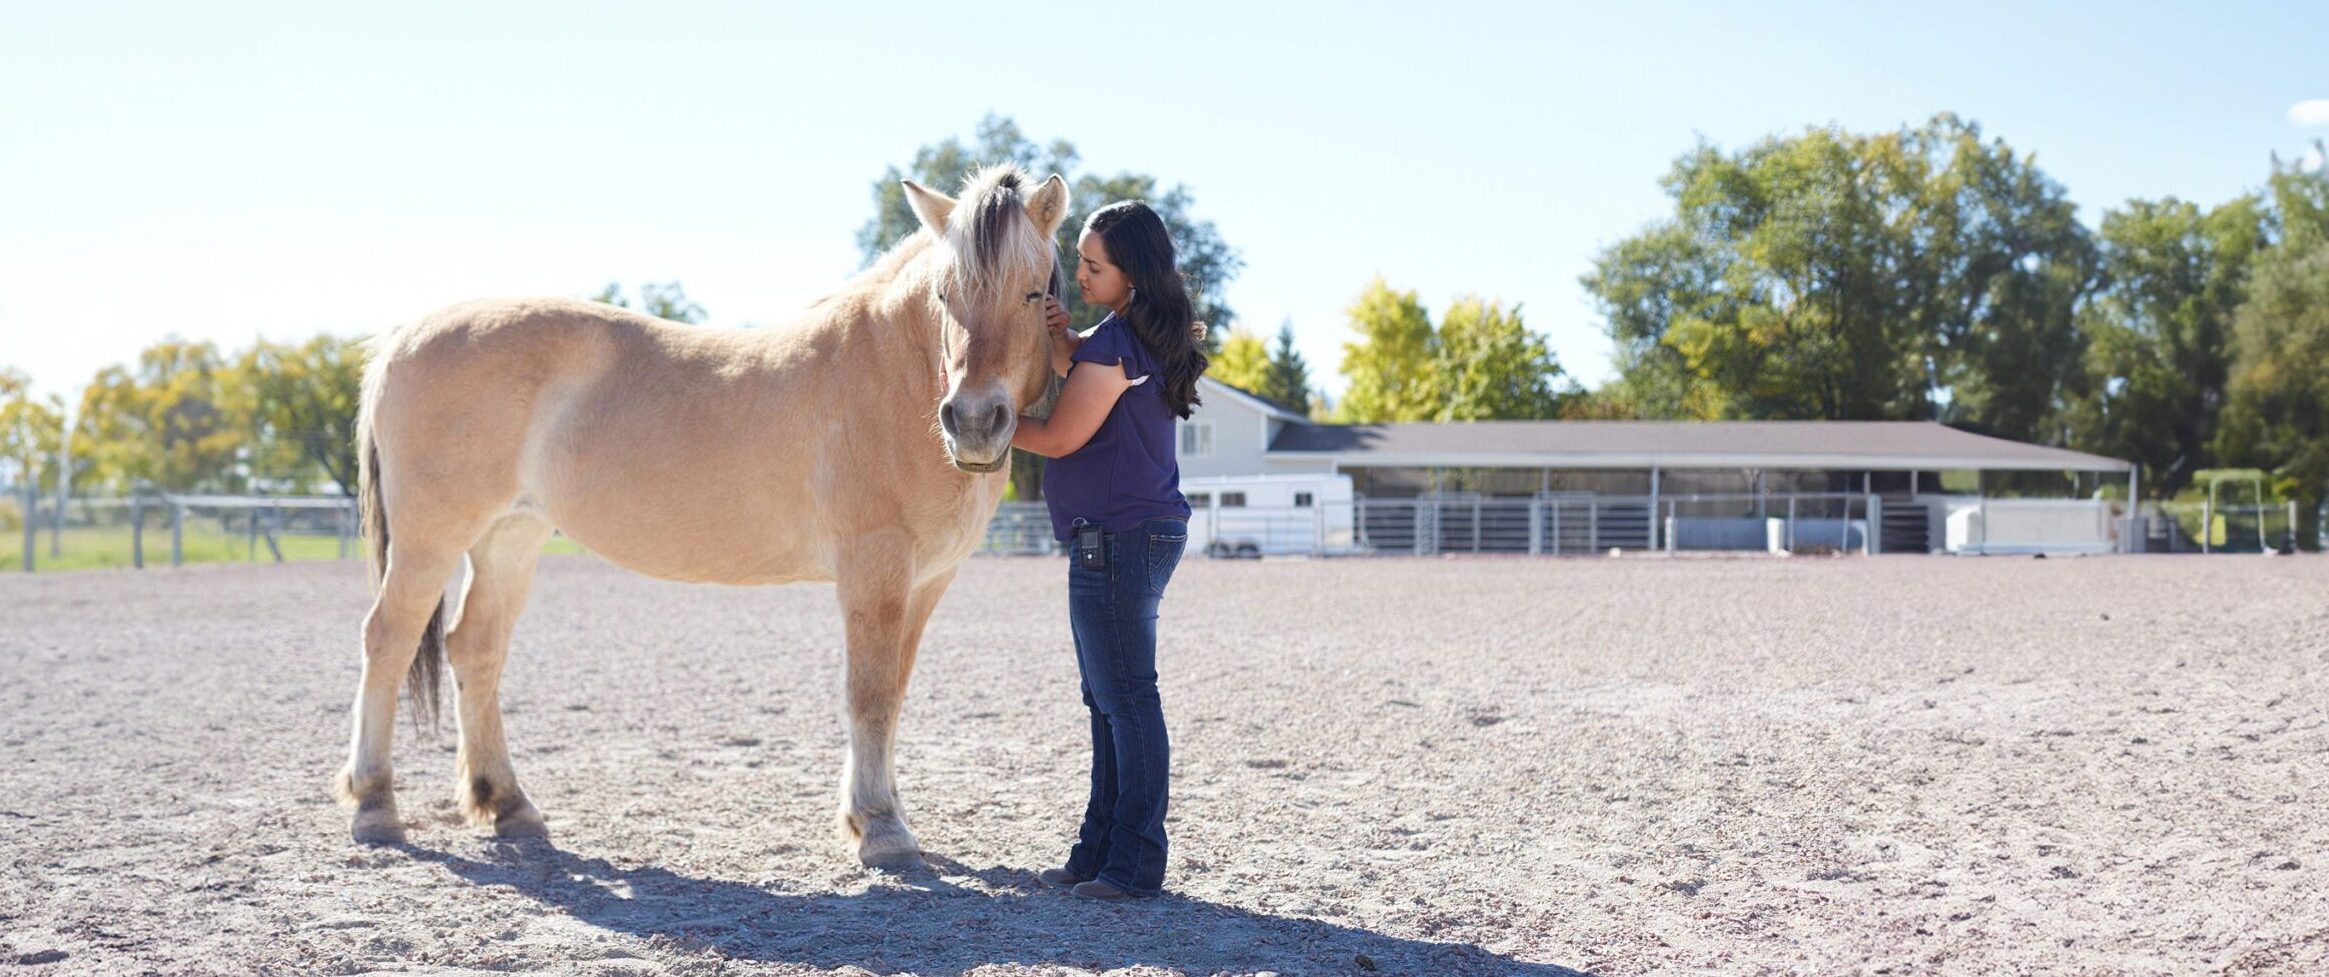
<point>929,205</point>
<point>1048,205</point>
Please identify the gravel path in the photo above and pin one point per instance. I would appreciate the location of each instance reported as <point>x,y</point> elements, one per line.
<point>1896,765</point>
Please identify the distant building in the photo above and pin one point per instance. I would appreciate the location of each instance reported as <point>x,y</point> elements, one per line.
<point>1663,484</point>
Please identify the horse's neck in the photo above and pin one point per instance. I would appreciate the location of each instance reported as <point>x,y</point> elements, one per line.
<point>877,333</point>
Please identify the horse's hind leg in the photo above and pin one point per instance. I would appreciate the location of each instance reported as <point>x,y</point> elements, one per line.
<point>501,572</point>
<point>410,590</point>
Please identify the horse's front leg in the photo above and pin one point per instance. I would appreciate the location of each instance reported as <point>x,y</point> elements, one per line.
<point>883,615</point>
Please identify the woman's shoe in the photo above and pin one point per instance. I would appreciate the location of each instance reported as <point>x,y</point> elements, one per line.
<point>1096,889</point>
<point>1061,876</point>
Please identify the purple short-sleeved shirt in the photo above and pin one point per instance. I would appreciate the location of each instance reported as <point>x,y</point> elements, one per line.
<point>1128,473</point>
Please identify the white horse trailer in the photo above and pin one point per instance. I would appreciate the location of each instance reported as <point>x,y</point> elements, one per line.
<point>1254,515</point>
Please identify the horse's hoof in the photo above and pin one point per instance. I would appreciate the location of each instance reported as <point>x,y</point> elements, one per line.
<point>888,845</point>
<point>524,822</point>
<point>379,826</point>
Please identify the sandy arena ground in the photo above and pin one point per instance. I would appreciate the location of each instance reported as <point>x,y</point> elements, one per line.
<point>1478,766</point>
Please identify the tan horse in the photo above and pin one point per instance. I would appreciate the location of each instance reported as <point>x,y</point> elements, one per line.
<point>866,444</point>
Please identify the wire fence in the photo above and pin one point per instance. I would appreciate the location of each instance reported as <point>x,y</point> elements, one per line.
<point>175,530</point>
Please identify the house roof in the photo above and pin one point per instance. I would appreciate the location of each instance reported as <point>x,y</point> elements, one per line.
<point>1832,445</point>
<point>1257,401</point>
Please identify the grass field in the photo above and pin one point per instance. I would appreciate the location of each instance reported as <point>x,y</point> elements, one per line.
<point>102,547</point>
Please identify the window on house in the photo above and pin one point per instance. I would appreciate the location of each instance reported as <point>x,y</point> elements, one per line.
<point>1301,500</point>
<point>1196,438</point>
<point>1230,500</point>
<point>1199,500</point>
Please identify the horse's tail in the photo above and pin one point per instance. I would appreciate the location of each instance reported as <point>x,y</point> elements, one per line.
<point>428,667</point>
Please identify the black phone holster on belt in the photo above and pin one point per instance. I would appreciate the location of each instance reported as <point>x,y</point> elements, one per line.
<point>1091,551</point>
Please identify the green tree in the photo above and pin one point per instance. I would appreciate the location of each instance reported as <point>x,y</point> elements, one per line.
<point>1243,363</point>
<point>2159,332</point>
<point>1490,367</point>
<point>31,430</point>
<point>1480,363</point>
<point>663,301</point>
<point>1207,263</point>
<point>302,402</point>
<point>1390,365</point>
<point>166,422</point>
<point>1830,275</point>
<point>1287,381</point>
<point>2279,413</point>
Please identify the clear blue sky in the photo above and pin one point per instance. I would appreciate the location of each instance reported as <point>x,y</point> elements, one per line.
<point>229,170</point>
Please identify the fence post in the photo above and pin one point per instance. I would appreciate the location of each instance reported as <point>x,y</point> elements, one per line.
<point>31,518</point>
<point>1673,526</point>
<point>1536,527</point>
<point>1593,525</point>
<point>1791,524</point>
<point>1872,539</point>
<point>2208,526</point>
<point>1556,528</point>
<point>177,533</point>
<point>274,522</point>
<point>137,532</point>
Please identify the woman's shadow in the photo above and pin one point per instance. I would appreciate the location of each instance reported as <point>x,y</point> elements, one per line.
<point>917,921</point>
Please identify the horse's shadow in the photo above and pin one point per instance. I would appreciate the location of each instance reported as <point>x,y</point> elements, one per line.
<point>918,922</point>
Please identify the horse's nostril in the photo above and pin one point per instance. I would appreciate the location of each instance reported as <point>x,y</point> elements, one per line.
<point>946,418</point>
<point>1002,417</point>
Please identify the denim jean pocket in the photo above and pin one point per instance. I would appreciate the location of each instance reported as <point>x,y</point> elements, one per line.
<point>1164,553</point>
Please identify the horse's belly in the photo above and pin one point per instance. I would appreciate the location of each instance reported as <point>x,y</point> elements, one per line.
<point>720,546</point>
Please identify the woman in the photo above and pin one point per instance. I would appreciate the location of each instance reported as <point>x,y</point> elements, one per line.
<point>1114,489</point>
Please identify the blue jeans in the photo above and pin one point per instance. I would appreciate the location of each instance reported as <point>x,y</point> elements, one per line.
<point>1113,612</point>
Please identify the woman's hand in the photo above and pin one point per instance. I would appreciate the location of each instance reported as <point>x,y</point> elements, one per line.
<point>1063,339</point>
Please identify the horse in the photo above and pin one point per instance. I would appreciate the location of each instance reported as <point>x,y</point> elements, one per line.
<point>866,444</point>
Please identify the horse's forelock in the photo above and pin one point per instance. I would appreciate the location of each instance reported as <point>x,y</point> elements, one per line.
<point>994,241</point>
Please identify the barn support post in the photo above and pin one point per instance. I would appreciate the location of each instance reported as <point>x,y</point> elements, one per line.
<point>1653,507</point>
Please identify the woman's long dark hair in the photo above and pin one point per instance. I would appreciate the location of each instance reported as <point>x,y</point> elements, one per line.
<point>1160,312</point>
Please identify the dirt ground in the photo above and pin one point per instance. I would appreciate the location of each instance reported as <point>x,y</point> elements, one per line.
<point>1899,765</point>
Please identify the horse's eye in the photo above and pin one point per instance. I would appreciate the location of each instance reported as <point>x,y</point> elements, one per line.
<point>1035,296</point>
